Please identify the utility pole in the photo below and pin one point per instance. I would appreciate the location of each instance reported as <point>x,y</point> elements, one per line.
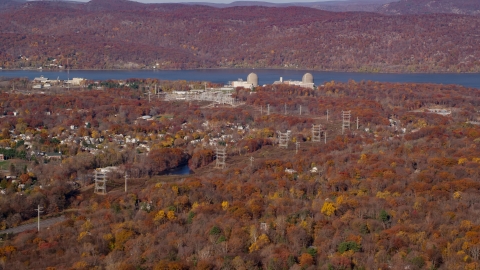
<point>68,75</point>
<point>39,210</point>
<point>297,144</point>
<point>126,179</point>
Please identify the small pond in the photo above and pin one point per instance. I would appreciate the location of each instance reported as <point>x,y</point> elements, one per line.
<point>180,170</point>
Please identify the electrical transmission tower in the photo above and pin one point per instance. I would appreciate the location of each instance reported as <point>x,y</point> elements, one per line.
<point>283,139</point>
<point>317,133</point>
<point>346,115</point>
<point>100,182</point>
<point>221,157</point>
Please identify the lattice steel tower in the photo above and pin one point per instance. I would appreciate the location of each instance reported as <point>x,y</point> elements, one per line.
<point>221,157</point>
<point>283,139</point>
<point>100,182</point>
<point>346,115</point>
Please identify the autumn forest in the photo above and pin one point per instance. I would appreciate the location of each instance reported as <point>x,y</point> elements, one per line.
<point>104,34</point>
<point>342,175</point>
<point>398,191</point>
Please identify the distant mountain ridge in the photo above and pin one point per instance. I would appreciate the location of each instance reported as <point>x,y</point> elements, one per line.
<point>4,4</point>
<point>107,34</point>
<point>387,7</point>
<point>337,6</point>
<point>466,7</point>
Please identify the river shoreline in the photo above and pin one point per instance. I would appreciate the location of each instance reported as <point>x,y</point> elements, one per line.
<point>266,76</point>
<point>229,68</point>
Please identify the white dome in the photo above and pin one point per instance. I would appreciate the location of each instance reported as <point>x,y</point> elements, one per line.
<point>252,79</point>
<point>307,78</point>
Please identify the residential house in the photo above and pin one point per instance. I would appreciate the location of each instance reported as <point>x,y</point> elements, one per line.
<point>54,156</point>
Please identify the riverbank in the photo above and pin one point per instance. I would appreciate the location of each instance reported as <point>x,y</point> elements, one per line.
<point>265,76</point>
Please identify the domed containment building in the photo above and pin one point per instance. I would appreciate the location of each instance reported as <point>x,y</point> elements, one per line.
<point>307,78</point>
<point>307,81</point>
<point>252,81</point>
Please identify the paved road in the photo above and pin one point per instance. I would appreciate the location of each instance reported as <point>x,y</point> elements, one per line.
<point>33,226</point>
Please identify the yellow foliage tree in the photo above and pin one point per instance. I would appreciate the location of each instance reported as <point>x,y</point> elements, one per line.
<point>121,237</point>
<point>81,235</point>
<point>175,190</point>
<point>363,158</point>
<point>262,241</point>
<point>383,195</point>
<point>80,265</point>
<point>462,161</point>
<point>328,209</point>
<point>195,205</point>
<point>171,215</point>
<point>225,205</point>
<point>159,216</point>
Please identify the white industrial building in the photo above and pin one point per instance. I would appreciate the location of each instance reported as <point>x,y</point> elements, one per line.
<point>252,81</point>
<point>306,82</point>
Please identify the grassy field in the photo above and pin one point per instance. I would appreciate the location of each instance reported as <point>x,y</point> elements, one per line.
<point>4,165</point>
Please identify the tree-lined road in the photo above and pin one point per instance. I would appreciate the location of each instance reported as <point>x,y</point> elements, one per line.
<point>31,226</point>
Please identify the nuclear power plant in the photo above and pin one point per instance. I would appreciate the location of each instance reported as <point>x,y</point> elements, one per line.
<point>306,82</point>
<point>252,81</point>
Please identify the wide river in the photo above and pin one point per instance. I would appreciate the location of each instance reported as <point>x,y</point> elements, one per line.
<point>265,76</point>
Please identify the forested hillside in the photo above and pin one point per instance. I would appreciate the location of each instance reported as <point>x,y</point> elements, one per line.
<point>398,192</point>
<point>123,34</point>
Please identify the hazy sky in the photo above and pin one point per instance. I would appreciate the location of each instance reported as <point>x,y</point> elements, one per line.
<point>214,1</point>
